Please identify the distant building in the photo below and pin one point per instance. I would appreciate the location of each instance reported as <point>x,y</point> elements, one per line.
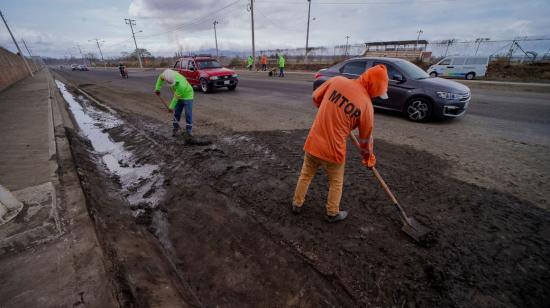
<point>409,50</point>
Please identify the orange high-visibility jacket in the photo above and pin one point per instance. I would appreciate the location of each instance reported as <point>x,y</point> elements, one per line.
<point>264,59</point>
<point>344,105</point>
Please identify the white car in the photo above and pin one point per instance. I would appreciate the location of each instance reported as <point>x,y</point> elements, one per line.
<point>460,67</point>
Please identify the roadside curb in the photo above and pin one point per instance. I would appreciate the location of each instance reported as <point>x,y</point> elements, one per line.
<point>77,223</point>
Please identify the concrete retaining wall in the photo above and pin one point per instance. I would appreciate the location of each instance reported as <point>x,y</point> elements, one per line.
<point>13,69</point>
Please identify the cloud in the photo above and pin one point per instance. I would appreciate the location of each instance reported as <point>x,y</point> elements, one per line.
<point>172,25</point>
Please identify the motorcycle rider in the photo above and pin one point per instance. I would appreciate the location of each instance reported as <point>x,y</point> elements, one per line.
<point>122,69</point>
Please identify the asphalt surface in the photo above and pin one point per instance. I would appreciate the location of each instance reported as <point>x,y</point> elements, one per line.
<point>502,142</point>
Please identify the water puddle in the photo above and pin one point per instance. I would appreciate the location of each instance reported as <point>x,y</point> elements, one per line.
<point>141,183</point>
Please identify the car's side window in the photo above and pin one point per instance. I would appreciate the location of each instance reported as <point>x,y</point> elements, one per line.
<point>445,62</point>
<point>459,61</point>
<point>183,64</point>
<point>392,71</point>
<point>354,68</point>
<point>191,65</point>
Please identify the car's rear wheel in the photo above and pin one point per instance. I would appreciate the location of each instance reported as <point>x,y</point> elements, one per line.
<point>232,88</point>
<point>433,74</point>
<point>419,110</point>
<point>205,88</point>
<point>470,76</point>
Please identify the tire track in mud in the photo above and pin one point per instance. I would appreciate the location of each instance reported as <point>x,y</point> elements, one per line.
<point>225,201</point>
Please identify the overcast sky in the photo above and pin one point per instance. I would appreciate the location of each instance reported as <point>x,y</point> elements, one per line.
<point>55,27</point>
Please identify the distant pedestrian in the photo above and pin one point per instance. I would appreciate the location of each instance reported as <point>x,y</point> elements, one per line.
<point>264,63</point>
<point>250,63</point>
<point>281,65</point>
<point>182,99</point>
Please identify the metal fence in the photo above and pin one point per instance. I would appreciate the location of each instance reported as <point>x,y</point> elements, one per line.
<point>521,49</point>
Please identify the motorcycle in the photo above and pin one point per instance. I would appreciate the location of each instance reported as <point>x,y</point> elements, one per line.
<point>124,72</point>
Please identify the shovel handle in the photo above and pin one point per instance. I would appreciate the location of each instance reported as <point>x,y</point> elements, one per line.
<point>380,179</point>
<point>163,102</point>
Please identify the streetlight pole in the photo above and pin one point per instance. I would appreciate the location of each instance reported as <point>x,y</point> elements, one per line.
<point>132,23</point>
<point>253,44</point>
<point>216,38</point>
<point>16,45</point>
<point>81,55</point>
<point>97,42</point>
<point>307,33</point>
<point>30,55</point>
<point>347,45</point>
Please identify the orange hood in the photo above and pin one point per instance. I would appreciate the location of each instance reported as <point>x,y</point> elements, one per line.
<point>375,80</point>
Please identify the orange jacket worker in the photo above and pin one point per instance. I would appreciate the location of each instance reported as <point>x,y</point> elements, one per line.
<point>344,105</point>
<point>264,62</point>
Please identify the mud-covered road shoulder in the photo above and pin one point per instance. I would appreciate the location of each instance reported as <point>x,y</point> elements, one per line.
<point>224,234</point>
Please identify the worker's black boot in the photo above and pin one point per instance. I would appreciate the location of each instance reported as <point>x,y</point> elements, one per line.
<point>338,217</point>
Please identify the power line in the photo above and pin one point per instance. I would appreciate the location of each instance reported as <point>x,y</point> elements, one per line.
<point>206,17</point>
<point>117,43</point>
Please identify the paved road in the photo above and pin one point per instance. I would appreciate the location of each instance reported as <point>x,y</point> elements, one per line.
<point>502,143</point>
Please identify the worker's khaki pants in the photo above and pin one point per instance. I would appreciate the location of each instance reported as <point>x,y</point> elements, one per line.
<point>335,174</point>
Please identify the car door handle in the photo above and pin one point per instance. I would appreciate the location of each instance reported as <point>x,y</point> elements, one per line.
<point>450,67</point>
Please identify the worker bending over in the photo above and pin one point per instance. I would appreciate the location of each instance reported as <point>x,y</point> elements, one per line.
<point>182,99</point>
<point>344,105</point>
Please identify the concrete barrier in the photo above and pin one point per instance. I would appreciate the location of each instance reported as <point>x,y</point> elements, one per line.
<point>13,69</point>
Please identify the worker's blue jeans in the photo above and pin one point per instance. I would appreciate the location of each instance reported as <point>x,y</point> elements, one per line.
<point>188,106</point>
<point>281,72</point>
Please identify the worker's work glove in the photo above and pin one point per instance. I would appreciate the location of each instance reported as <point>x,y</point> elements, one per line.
<point>157,93</point>
<point>369,160</point>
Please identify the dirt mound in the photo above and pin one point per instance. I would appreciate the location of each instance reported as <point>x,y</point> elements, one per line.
<point>504,70</point>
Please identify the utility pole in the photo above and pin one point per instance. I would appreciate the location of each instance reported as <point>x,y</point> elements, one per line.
<point>27,48</point>
<point>16,45</point>
<point>307,35</point>
<point>132,23</point>
<point>418,38</point>
<point>253,44</point>
<point>347,44</point>
<point>97,42</point>
<point>216,37</point>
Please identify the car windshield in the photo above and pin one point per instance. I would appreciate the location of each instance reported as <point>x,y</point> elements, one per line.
<point>209,64</point>
<point>412,71</point>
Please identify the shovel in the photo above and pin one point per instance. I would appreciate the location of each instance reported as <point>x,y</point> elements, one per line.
<point>410,225</point>
<point>164,103</point>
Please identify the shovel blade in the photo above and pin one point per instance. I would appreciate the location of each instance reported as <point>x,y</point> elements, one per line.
<point>415,230</point>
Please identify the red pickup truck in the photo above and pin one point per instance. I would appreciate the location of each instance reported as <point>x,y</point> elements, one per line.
<point>206,73</point>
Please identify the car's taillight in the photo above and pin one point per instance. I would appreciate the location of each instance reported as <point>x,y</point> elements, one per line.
<point>318,74</point>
